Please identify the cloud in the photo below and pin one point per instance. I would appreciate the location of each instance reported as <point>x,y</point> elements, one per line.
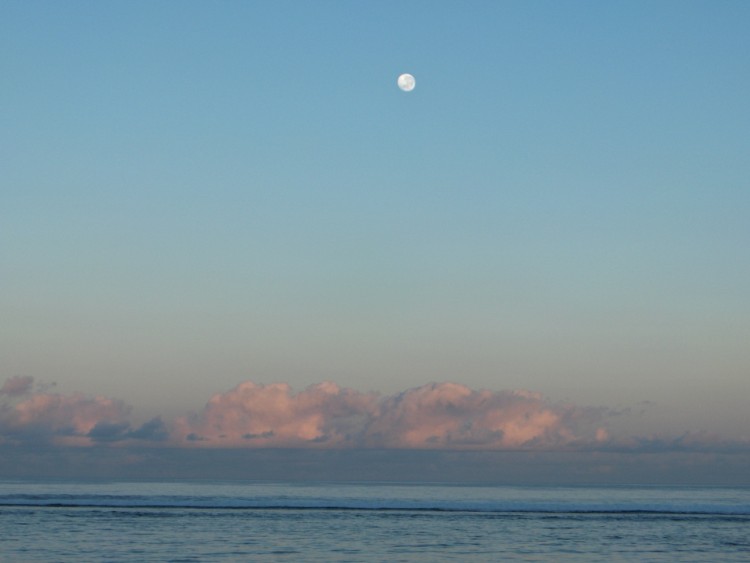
<point>255,415</point>
<point>152,431</point>
<point>61,419</point>
<point>434,416</point>
<point>450,415</point>
<point>17,386</point>
<point>67,419</point>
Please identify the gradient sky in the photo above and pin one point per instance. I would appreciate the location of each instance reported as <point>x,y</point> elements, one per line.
<point>199,194</point>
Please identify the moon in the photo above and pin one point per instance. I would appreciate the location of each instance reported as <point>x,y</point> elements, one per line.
<point>406,82</point>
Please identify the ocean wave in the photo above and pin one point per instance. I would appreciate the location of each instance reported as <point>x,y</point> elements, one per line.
<point>356,504</point>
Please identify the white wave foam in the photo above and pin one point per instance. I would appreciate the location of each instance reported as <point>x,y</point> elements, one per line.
<point>370,504</point>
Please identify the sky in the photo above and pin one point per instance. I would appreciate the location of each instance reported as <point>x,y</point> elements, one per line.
<point>222,225</point>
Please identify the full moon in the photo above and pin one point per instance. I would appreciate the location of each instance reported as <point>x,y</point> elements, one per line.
<point>406,82</point>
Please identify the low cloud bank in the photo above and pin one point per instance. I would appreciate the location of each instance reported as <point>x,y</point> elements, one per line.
<point>437,416</point>
<point>434,416</point>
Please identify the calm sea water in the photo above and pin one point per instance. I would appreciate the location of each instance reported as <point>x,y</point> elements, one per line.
<point>369,522</point>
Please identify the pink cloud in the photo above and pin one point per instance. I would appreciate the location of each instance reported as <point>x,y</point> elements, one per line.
<point>61,419</point>
<point>17,386</point>
<point>449,415</point>
<point>66,419</point>
<point>255,415</point>
<point>444,415</point>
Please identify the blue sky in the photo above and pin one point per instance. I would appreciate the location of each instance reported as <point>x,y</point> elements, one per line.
<point>197,194</point>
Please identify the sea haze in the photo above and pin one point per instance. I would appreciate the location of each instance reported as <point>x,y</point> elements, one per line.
<point>420,466</point>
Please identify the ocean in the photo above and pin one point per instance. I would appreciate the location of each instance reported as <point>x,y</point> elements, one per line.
<point>223,521</point>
